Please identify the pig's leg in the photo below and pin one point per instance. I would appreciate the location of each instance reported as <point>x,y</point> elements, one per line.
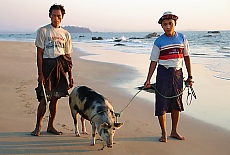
<point>93,134</point>
<point>83,126</point>
<point>75,117</point>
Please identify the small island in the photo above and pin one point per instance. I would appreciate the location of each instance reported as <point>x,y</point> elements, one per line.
<point>76,29</point>
<point>213,31</point>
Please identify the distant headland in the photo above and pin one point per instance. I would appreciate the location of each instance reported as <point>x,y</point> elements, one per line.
<point>76,29</point>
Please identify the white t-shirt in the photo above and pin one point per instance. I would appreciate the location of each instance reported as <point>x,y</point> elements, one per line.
<point>54,41</point>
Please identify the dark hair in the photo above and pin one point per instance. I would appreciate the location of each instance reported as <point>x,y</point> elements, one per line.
<point>57,7</point>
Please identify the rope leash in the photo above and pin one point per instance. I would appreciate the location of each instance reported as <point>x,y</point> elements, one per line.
<point>45,96</point>
<point>192,93</point>
<point>44,92</point>
<point>118,114</point>
<point>169,97</point>
<point>131,101</point>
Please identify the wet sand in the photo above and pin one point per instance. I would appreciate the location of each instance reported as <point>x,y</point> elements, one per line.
<point>139,135</point>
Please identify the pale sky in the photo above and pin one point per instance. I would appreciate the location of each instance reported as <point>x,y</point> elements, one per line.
<point>116,15</point>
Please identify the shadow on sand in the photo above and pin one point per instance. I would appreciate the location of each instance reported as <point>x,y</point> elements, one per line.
<point>24,143</point>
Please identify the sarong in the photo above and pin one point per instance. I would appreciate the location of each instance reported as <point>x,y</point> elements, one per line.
<point>54,71</point>
<point>169,82</point>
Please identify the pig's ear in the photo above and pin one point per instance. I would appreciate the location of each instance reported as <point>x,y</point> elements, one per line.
<point>105,125</point>
<point>118,125</point>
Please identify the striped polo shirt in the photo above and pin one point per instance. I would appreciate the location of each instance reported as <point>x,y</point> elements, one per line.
<point>170,51</point>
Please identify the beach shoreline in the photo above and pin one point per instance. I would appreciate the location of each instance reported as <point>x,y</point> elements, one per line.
<point>203,108</point>
<point>139,135</point>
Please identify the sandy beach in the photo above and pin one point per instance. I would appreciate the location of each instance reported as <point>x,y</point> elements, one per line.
<point>138,136</point>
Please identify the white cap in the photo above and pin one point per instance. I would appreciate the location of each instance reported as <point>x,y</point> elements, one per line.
<point>167,15</point>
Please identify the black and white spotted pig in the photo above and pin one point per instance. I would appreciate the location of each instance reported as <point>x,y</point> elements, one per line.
<point>95,108</point>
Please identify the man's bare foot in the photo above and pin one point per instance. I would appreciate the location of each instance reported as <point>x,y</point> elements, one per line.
<point>54,131</point>
<point>163,138</point>
<point>177,136</point>
<point>36,132</point>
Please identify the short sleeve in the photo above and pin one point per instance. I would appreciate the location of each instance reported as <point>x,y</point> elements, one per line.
<point>68,47</point>
<point>155,53</point>
<point>186,48</point>
<point>40,38</point>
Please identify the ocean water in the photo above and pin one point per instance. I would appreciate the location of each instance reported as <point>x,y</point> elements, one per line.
<point>212,50</point>
<point>209,49</point>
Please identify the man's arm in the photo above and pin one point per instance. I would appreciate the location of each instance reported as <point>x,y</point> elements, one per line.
<point>70,75</point>
<point>152,68</point>
<point>39,64</point>
<point>189,69</point>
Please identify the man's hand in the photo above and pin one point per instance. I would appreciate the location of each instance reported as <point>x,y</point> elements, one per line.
<point>189,82</point>
<point>71,82</point>
<point>41,78</point>
<point>147,84</point>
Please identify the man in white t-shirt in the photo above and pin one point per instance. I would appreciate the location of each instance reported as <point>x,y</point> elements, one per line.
<point>54,46</point>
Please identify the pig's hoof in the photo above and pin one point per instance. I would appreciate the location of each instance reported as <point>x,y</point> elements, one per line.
<point>99,139</point>
<point>92,143</point>
<point>85,132</point>
<point>103,146</point>
<point>101,149</point>
<point>78,135</point>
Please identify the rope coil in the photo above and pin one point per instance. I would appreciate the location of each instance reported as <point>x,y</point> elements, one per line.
<point>192,93</point>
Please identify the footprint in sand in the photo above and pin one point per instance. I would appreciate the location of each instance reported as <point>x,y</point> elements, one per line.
<point>21,92</point>
<point>64,126</point>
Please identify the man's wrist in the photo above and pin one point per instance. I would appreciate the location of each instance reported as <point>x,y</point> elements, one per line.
<point>190,76</point>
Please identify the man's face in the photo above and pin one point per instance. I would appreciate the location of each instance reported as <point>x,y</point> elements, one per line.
<point>56,18</point>
<point>168,26</point>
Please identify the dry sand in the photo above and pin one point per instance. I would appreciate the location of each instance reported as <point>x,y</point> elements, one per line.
<point>139,135</point>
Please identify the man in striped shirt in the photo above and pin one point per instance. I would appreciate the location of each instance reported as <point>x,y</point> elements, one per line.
<point>169,51</point>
